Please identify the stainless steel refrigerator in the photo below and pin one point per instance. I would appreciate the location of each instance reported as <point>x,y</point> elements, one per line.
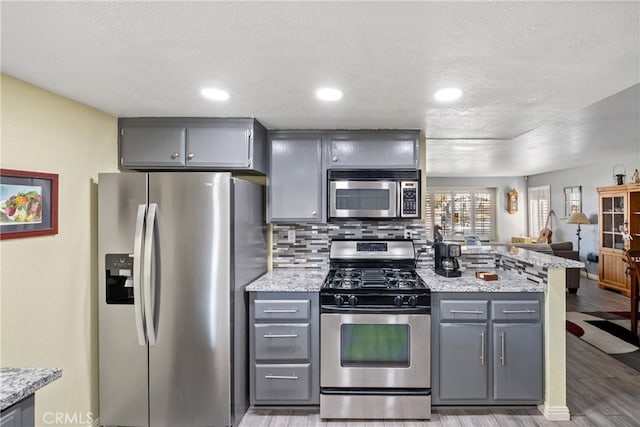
<point>175,253</point>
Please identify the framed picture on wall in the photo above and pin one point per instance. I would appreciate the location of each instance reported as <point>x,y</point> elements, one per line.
<point>28,204</point>
<point>572,200</point>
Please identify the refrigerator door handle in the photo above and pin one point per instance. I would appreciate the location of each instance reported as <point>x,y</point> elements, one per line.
<point>150,248</point>
<point>138,303</point>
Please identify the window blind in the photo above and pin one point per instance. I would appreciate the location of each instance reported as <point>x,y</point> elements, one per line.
<point>539,202</point>
<point>461,212</point>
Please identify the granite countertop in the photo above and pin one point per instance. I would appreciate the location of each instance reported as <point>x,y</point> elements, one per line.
<point>289,280</point>
<point>508,281</point>
<point>536,258</point>
<point>18,383</point>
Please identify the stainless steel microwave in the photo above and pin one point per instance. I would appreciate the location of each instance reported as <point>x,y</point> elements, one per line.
<point>373,193</point>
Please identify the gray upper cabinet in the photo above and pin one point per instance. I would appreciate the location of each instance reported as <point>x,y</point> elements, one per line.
<point>297,178</point>
<point>192,143</point>
<point>388,149</point>
<point>152,147</point>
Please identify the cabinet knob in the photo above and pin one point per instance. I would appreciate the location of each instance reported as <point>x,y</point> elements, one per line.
<point>174,155</point>
<point>190,156</point>
<point>335,158</point>
<point>314,213</point>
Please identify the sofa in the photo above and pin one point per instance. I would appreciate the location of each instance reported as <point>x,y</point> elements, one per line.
<point>563,250</point>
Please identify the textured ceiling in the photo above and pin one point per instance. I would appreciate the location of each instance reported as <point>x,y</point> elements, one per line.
<point>533,73</point>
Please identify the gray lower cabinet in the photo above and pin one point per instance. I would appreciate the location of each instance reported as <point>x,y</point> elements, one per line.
<point>192,143</point>
<point>20,414</point>
<point>393,149</point>
<point>517,362</point>
<point>487,348</point>
<point>284,348</point>
<point>463,373</point>
<point>297,178</point>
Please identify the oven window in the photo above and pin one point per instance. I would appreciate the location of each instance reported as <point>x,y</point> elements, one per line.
<point>363,199</point>
<point>374,345</point>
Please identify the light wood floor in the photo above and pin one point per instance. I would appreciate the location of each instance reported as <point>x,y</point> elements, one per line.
<point>600,390</point>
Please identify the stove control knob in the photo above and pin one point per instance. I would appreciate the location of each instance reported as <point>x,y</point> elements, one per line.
<point>339,300</point>
<point>353,300</point>
<point>398,301</point>
<point>413,300</point>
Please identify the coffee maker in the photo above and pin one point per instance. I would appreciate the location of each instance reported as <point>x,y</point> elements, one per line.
<point>445,255</point>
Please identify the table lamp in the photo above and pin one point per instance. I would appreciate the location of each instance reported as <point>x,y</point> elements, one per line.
<point>578,218</point>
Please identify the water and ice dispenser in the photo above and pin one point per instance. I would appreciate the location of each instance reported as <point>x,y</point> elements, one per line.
<point>119,271</point>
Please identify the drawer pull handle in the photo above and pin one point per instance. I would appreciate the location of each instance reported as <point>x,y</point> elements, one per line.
<point>467,311</point>
<point>281,310</point>
<point>281,336</point>
<point>502,348</point>
<point>482,348</point>
<point>518,311</point>
<point>281,377</point>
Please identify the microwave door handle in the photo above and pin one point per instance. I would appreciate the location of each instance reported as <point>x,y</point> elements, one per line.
<point>393,193</point>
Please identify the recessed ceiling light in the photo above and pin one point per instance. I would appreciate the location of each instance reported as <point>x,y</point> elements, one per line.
<point>448,94</point>
<point>215,94</point>
<point>329,94</point>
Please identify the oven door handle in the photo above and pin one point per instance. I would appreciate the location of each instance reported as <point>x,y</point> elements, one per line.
<point>370,310</point>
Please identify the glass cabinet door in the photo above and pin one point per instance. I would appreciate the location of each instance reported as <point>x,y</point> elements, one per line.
<point>613,221</point>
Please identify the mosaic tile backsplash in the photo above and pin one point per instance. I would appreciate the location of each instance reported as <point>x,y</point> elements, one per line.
<point>311,246</point>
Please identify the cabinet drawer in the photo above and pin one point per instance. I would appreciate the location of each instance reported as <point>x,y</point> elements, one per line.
<point>282,309</point>
<point>281,341</point>
<point>283,382</point>
<point>463,310</point>
<point>515,310</point>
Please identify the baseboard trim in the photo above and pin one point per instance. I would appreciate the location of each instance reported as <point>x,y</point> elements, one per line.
<point>555,413</point>
<point>588,275</point>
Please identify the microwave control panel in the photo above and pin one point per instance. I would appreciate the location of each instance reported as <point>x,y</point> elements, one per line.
<point>409,199</point>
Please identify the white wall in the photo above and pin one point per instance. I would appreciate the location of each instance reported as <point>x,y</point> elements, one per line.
<point>49,284</point>
<point>507,225</point>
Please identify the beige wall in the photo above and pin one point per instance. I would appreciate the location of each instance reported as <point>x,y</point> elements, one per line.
<point>49,284</point>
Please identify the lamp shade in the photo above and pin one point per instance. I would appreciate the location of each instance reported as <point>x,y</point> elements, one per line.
<point>578,218</point>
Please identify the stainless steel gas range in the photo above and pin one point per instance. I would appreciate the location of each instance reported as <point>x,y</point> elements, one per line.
<point>375,333</point>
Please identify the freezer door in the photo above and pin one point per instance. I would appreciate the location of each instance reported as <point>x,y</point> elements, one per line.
<point>190,375</point>
<point>122,360</point>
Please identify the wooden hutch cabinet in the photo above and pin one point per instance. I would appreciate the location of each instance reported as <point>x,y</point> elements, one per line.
<point>619,211</point>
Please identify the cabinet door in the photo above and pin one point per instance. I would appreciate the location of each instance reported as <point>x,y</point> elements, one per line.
<point>373,150</point>
<point>463,361</point>
<point>150,147</point>
<point>517,361</point>
<point>612,270</point>
<point>295,179</point>
<point>224,147</point>
<point>613,213</point>
<point>20,414</point>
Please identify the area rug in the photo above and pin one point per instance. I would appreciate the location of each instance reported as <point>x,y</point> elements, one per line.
<point>609,332</point>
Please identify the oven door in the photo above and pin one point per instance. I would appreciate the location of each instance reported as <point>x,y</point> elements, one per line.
<point>363,199</point>
<point>375,350</point>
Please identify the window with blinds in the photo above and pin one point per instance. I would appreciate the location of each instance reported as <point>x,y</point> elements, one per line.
<point>539,202</point>
<point>461,212</point>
